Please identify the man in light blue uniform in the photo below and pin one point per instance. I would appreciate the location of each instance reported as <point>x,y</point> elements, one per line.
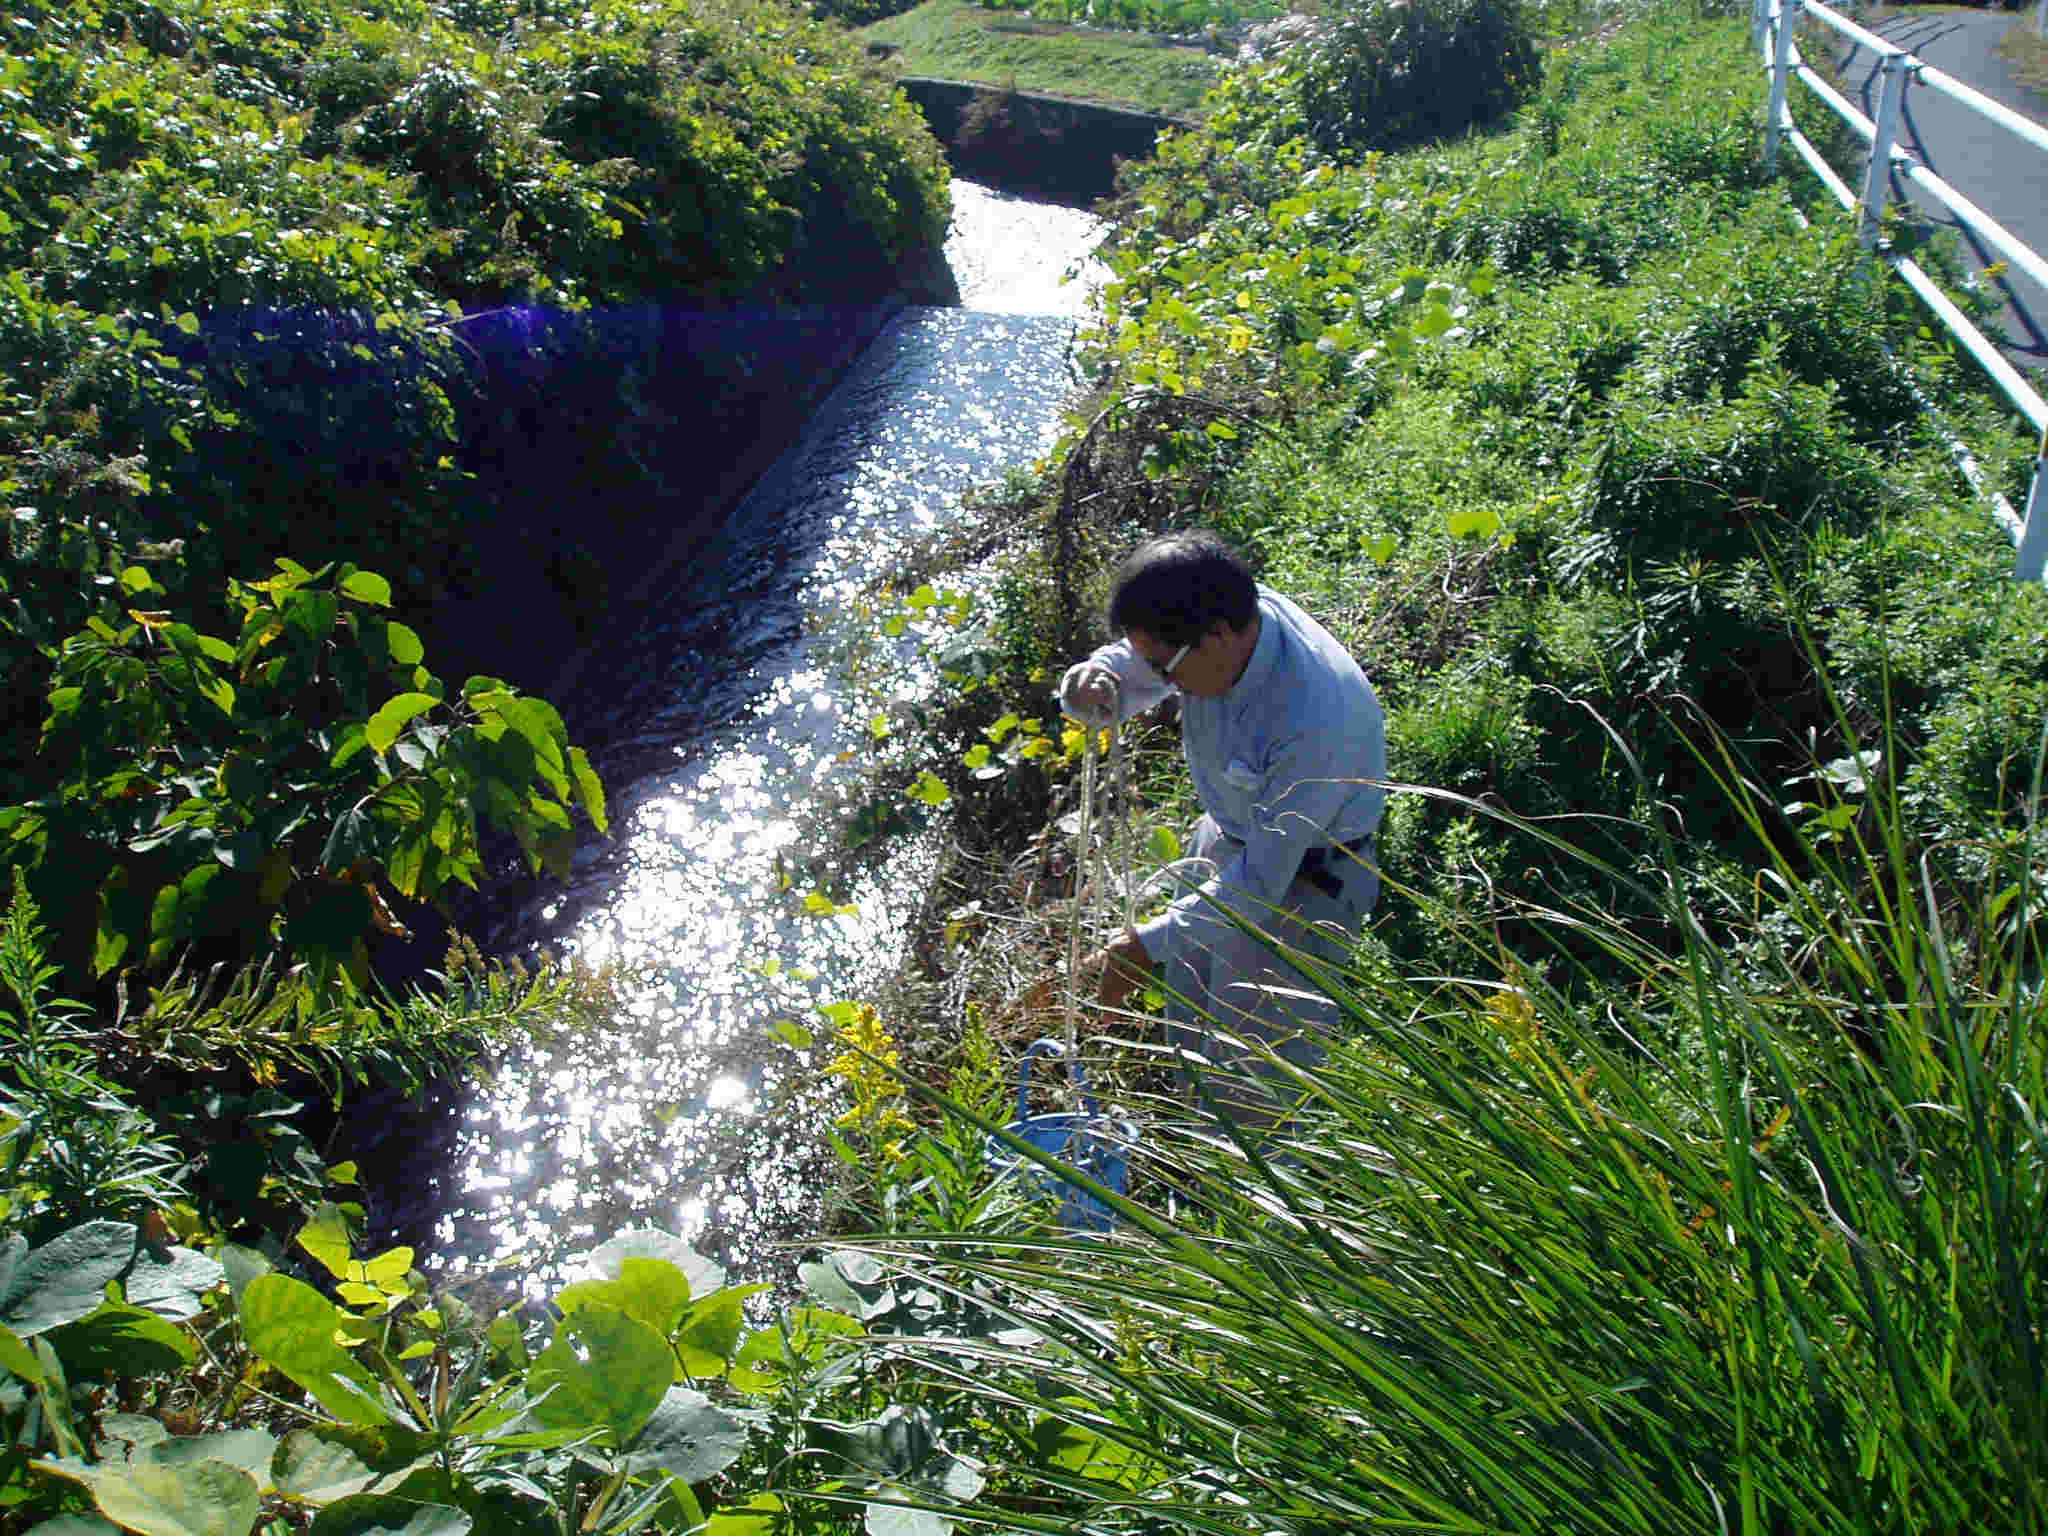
<point>1286,743</point>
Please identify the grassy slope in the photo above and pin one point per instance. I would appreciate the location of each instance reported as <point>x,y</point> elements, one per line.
<point>2025,53</point>
<point>960,41</point>
<point>1620,1302</point>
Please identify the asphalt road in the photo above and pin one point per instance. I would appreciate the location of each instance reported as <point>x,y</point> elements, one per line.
<point>2001,173</point>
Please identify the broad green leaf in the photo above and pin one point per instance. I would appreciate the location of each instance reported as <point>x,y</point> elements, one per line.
<point>711,1332</point>
<point>353,836</point>
<point>122,1339</point>
<point>1073,1448</point>
<point>899,1444</point>
<point>250,1450</point>
<point>811,1328</point>
<point>19,1358</point>
<point>687,1437</point>
<point>509,1339</point>
<point>354,739</point>
<point>326,1237</point>
<point>1163,845</point>
<point>609,1258</point>
<point>368,587</point>
<point>603,1370</point>
<point>241,1265</point>
<point>930,789</point>
<point>318,1469</point>
<point>78,1525</point>
<point>132,1433</point>
<point>207,1498</point>
<point>589,789</point>
<point>652,1290</point>
<point>760,1364</point>
<point>756,1517</point>
<point>406,649</point>
<point>853,1283</point>
<point>171,1281</point>
<point>383,727</point>
<point>56,1401</point>
<point>384,1514</point>
<point>333,1461</point>
<point>292,1326</point>
<point>218,692</point>
<point>1480,522</point>
<point>890,1520</point>
<point>63,1280</point>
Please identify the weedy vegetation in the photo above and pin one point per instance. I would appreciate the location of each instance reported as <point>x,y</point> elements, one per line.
<point>1680,1165</point>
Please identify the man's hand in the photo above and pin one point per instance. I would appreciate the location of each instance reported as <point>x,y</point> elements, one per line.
<point>1108,977</point>
<point>1088,693</point>
<point>1121,969</point>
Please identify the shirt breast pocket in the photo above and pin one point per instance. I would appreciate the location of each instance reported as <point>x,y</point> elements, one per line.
<point>1241,788</point>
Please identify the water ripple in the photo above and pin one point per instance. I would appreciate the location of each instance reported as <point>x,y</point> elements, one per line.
<point>725,726</point>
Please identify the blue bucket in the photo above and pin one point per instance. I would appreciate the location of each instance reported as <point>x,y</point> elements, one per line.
<point>1091,1141</point>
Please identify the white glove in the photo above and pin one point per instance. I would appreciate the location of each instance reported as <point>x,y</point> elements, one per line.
<point>1088,693</point>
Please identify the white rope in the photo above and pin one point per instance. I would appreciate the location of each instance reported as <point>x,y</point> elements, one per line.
<point>1086,860</point>
<point>1083,840</point>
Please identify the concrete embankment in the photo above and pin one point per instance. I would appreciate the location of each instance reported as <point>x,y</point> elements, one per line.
<point>1034,145</point>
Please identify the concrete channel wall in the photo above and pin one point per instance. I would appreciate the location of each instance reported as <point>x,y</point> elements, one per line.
<point>1034,145</point>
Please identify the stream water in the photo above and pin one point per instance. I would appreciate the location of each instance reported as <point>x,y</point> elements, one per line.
<point>687,1116</point>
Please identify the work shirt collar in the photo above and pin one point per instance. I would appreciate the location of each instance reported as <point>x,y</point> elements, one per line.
<point>1258,672</point>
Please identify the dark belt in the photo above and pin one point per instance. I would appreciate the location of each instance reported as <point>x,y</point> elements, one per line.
<point>1320,869</point>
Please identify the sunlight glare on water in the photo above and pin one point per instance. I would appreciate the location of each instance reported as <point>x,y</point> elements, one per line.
<point>686,1115</point>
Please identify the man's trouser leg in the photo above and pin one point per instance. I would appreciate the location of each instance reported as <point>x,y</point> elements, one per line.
<point>1228,983</point>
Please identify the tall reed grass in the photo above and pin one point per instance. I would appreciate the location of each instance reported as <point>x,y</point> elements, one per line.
<point>1753,1241</point>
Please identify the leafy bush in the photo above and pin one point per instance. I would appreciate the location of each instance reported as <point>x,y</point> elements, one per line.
<point>1665,484</point>
<point>231,237</point>
<point>71,1148</point>
<point>1394,73</point>
<point>250,792</point>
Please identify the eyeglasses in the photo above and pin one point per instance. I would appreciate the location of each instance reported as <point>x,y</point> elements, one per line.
<point>1177,658</point>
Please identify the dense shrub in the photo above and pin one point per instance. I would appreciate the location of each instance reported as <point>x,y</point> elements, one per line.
<point>231,239</point>
<point>1647,476</point>
<point>1395,73</point>
<point>269,789</point>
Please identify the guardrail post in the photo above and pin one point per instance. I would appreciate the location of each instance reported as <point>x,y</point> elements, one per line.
<point>1781,73</point>
<point>1760,18</point>
<point>1877,176</point>
<point>2032,560</point>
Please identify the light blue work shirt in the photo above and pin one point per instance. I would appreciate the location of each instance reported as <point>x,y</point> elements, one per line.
<point>1291,759</point>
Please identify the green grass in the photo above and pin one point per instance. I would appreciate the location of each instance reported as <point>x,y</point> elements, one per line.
<point>2025,52</point>
<point>1512,1268</point>
<point>958,41</point>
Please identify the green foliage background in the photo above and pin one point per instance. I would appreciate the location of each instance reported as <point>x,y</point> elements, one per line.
<point>1684,1167</point>
<point>239,246</point>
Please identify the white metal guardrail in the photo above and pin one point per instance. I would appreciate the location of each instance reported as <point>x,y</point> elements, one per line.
<point>1772,23</point>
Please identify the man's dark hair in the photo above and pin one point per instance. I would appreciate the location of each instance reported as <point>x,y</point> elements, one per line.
<point>1179,586</point>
